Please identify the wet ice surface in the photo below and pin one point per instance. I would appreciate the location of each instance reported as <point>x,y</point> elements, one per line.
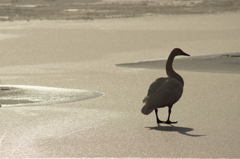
<point>223,63</point>
<point>20,95</point>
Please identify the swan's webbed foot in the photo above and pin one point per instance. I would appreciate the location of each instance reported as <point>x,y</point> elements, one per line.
<point>159,121</point>
<point>170,122</point>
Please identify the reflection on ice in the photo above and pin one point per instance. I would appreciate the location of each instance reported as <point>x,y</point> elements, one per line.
<point>20,95</point>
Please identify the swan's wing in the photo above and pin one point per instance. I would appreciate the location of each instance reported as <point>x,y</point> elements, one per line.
<point>166,94</point>
<point>155,85</point>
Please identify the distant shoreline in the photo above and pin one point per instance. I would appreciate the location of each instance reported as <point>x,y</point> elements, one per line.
<point>107,9</point>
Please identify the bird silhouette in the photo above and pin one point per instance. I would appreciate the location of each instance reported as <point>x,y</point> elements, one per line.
<point>165,91</point>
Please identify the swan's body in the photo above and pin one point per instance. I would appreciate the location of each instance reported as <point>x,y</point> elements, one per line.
<point>165,91</point>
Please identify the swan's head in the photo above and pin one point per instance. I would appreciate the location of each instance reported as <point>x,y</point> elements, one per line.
<point>178,51</point>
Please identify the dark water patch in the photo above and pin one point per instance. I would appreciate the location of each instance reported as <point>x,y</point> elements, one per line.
<point>222,63</point>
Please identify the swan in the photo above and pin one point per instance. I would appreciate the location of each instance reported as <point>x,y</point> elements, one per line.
<point>165,91</point>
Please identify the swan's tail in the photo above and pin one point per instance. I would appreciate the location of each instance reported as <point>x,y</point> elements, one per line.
<point>146,110</point>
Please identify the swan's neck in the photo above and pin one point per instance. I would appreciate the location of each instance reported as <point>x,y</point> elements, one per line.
<point>170,71</point>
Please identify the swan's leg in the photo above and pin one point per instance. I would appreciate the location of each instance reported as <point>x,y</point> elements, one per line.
<point>158,121</point>
<point>169,113</point>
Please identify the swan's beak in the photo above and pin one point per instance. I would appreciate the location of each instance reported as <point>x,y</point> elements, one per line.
<point>185,54</point>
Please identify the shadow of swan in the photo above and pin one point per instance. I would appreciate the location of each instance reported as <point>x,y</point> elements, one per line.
<point>181,130</point>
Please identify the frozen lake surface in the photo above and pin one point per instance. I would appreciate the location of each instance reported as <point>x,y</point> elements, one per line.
<point>66,57</point>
